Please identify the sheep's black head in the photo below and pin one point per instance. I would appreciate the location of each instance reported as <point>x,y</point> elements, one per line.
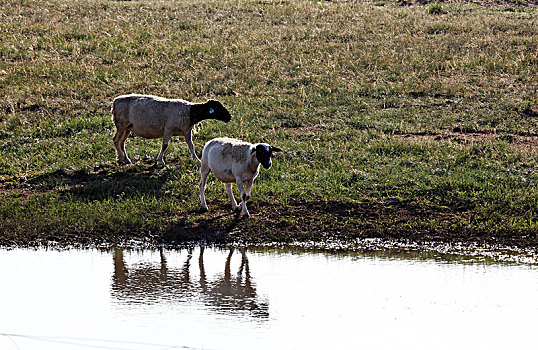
<point>215,110</point>
<point>264,153</point>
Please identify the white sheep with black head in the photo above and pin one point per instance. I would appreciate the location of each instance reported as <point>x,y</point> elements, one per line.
<point>232,160</point>
<point>154,117</point>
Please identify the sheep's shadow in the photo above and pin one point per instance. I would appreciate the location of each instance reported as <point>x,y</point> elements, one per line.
<point>216,227</point>
<point>106,182</point>
<point>111,182</point>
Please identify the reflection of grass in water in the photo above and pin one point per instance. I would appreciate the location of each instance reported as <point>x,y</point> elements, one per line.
<point>406,250</point>
<point>370,102</point>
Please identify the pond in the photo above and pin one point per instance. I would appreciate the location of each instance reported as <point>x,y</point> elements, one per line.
<point>234,298</point>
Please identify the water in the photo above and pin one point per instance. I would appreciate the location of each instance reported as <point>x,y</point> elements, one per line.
<point>261,299</point>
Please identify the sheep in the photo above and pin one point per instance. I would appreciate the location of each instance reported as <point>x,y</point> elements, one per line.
<point>232,160</point>
<point>154,117</point>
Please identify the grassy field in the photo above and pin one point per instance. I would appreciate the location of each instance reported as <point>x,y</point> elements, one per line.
<point>397,121</point>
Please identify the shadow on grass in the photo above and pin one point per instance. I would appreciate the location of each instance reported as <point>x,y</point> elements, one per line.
<point>216,227</point>
<point>105,182</point>
<point>166,224</point>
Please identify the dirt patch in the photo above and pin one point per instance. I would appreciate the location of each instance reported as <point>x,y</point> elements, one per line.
<point>521,142</point>
<point>488,3</point>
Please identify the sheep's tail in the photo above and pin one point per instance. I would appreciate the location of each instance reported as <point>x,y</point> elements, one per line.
<point>118,108</point>
<point>113,112</point>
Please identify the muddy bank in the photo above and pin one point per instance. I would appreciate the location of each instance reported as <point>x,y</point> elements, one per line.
<point>333,225</point>
<point>325,221</point>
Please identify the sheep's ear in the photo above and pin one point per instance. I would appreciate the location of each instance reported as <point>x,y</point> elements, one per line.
<point>212,105</point>
<point>253,151</point>
<point>276,149</point>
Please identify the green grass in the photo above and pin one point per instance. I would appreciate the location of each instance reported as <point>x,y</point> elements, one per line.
<point>434,105</point>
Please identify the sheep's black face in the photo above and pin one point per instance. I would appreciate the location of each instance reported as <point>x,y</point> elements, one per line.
<point>264,153</point>
<point>215,110</point>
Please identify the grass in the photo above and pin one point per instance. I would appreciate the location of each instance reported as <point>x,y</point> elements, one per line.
<point>419,118</point>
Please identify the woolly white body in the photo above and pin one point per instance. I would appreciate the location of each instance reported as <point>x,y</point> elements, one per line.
<point>230,160</point>
<point>153,117</point>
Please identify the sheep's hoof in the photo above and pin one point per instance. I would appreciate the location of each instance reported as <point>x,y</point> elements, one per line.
<point>123,161</point>
<point>204,210</point>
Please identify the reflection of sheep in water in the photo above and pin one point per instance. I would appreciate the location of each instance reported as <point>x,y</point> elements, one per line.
<point>155,117</point>
<point>224,294</point>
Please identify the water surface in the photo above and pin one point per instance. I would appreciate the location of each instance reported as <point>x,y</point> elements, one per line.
<point>261,299</point>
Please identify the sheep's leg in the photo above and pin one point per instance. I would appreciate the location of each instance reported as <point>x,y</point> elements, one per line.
<point>124,137</point>
<point>231,195</point>
<point>188,140</point>
<point>204,172</point>
<point>116,140</point>
<point>244,210</point>
<point>248,186</point>
<point>166,139</point>
<point>119,143</point>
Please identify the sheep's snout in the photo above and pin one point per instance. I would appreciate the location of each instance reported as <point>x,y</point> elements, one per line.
<point>227,117</point>
<point>222,115</point>
<point>267,165</point>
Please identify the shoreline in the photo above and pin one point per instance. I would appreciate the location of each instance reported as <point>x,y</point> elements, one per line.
<point>331,227</point>
<point>461,252</point>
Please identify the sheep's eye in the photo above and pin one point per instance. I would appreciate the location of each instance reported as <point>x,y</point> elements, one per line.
<point>211,110</point>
